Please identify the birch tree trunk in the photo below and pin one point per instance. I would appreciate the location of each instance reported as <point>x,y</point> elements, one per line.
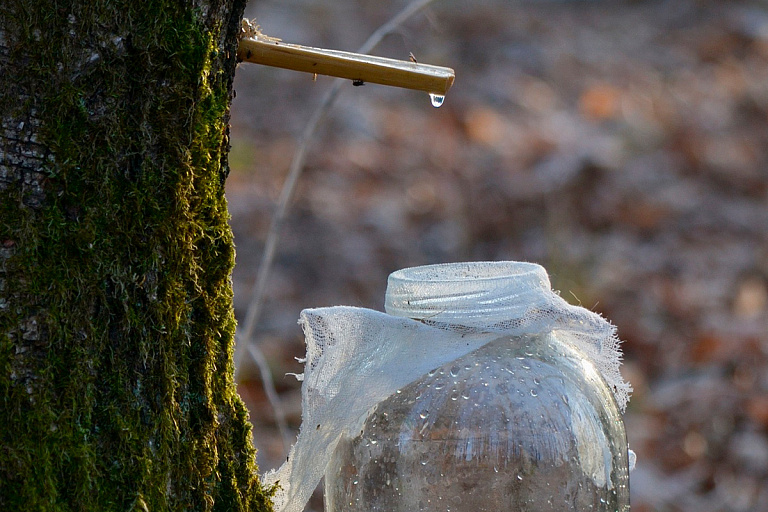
<point>116,318</point>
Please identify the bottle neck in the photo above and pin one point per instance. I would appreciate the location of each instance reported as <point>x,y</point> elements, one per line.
<point>477,295</point>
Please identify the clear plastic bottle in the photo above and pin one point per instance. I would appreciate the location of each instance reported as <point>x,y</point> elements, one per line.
<point>479,390</point>
<point>522,424</point>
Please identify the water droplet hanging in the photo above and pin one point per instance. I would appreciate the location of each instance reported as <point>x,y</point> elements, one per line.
<point>436,99</point>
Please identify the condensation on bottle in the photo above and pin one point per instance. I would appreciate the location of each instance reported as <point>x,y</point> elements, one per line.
<point>524,423</point>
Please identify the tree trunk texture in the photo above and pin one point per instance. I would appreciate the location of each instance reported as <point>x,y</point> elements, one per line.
<point>116,317</point>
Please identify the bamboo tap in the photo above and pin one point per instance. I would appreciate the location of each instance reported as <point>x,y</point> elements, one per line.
<point>260,49</point>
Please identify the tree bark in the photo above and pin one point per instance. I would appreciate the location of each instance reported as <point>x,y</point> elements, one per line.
<point>116,318</point>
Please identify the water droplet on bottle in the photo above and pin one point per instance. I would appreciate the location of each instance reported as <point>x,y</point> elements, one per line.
<point>436,99</point>
<point>424,415</point>
<point>534,393</point>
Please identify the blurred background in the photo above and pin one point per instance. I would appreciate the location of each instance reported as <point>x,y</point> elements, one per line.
<point>621,144</point>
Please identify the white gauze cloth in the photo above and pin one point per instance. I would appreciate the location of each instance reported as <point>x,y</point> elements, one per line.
<point>358,357</point>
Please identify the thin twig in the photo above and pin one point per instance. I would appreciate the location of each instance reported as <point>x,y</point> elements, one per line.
<point>245,336</point>
<point>269,388</point>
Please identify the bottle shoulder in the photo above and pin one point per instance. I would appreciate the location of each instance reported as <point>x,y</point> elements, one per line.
<point>520,388</point>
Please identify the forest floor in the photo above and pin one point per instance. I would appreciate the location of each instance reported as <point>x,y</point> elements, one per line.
<point>623,145</point>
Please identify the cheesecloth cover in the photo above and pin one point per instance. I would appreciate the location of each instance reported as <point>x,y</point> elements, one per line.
<point>435,314</point>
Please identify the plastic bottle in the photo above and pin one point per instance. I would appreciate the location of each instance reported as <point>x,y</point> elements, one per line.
<point>524,423</point>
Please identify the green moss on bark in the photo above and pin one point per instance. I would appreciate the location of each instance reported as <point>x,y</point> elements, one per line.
<point>116,320</point>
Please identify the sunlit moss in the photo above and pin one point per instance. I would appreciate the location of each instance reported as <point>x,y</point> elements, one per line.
<point>123,397</point>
